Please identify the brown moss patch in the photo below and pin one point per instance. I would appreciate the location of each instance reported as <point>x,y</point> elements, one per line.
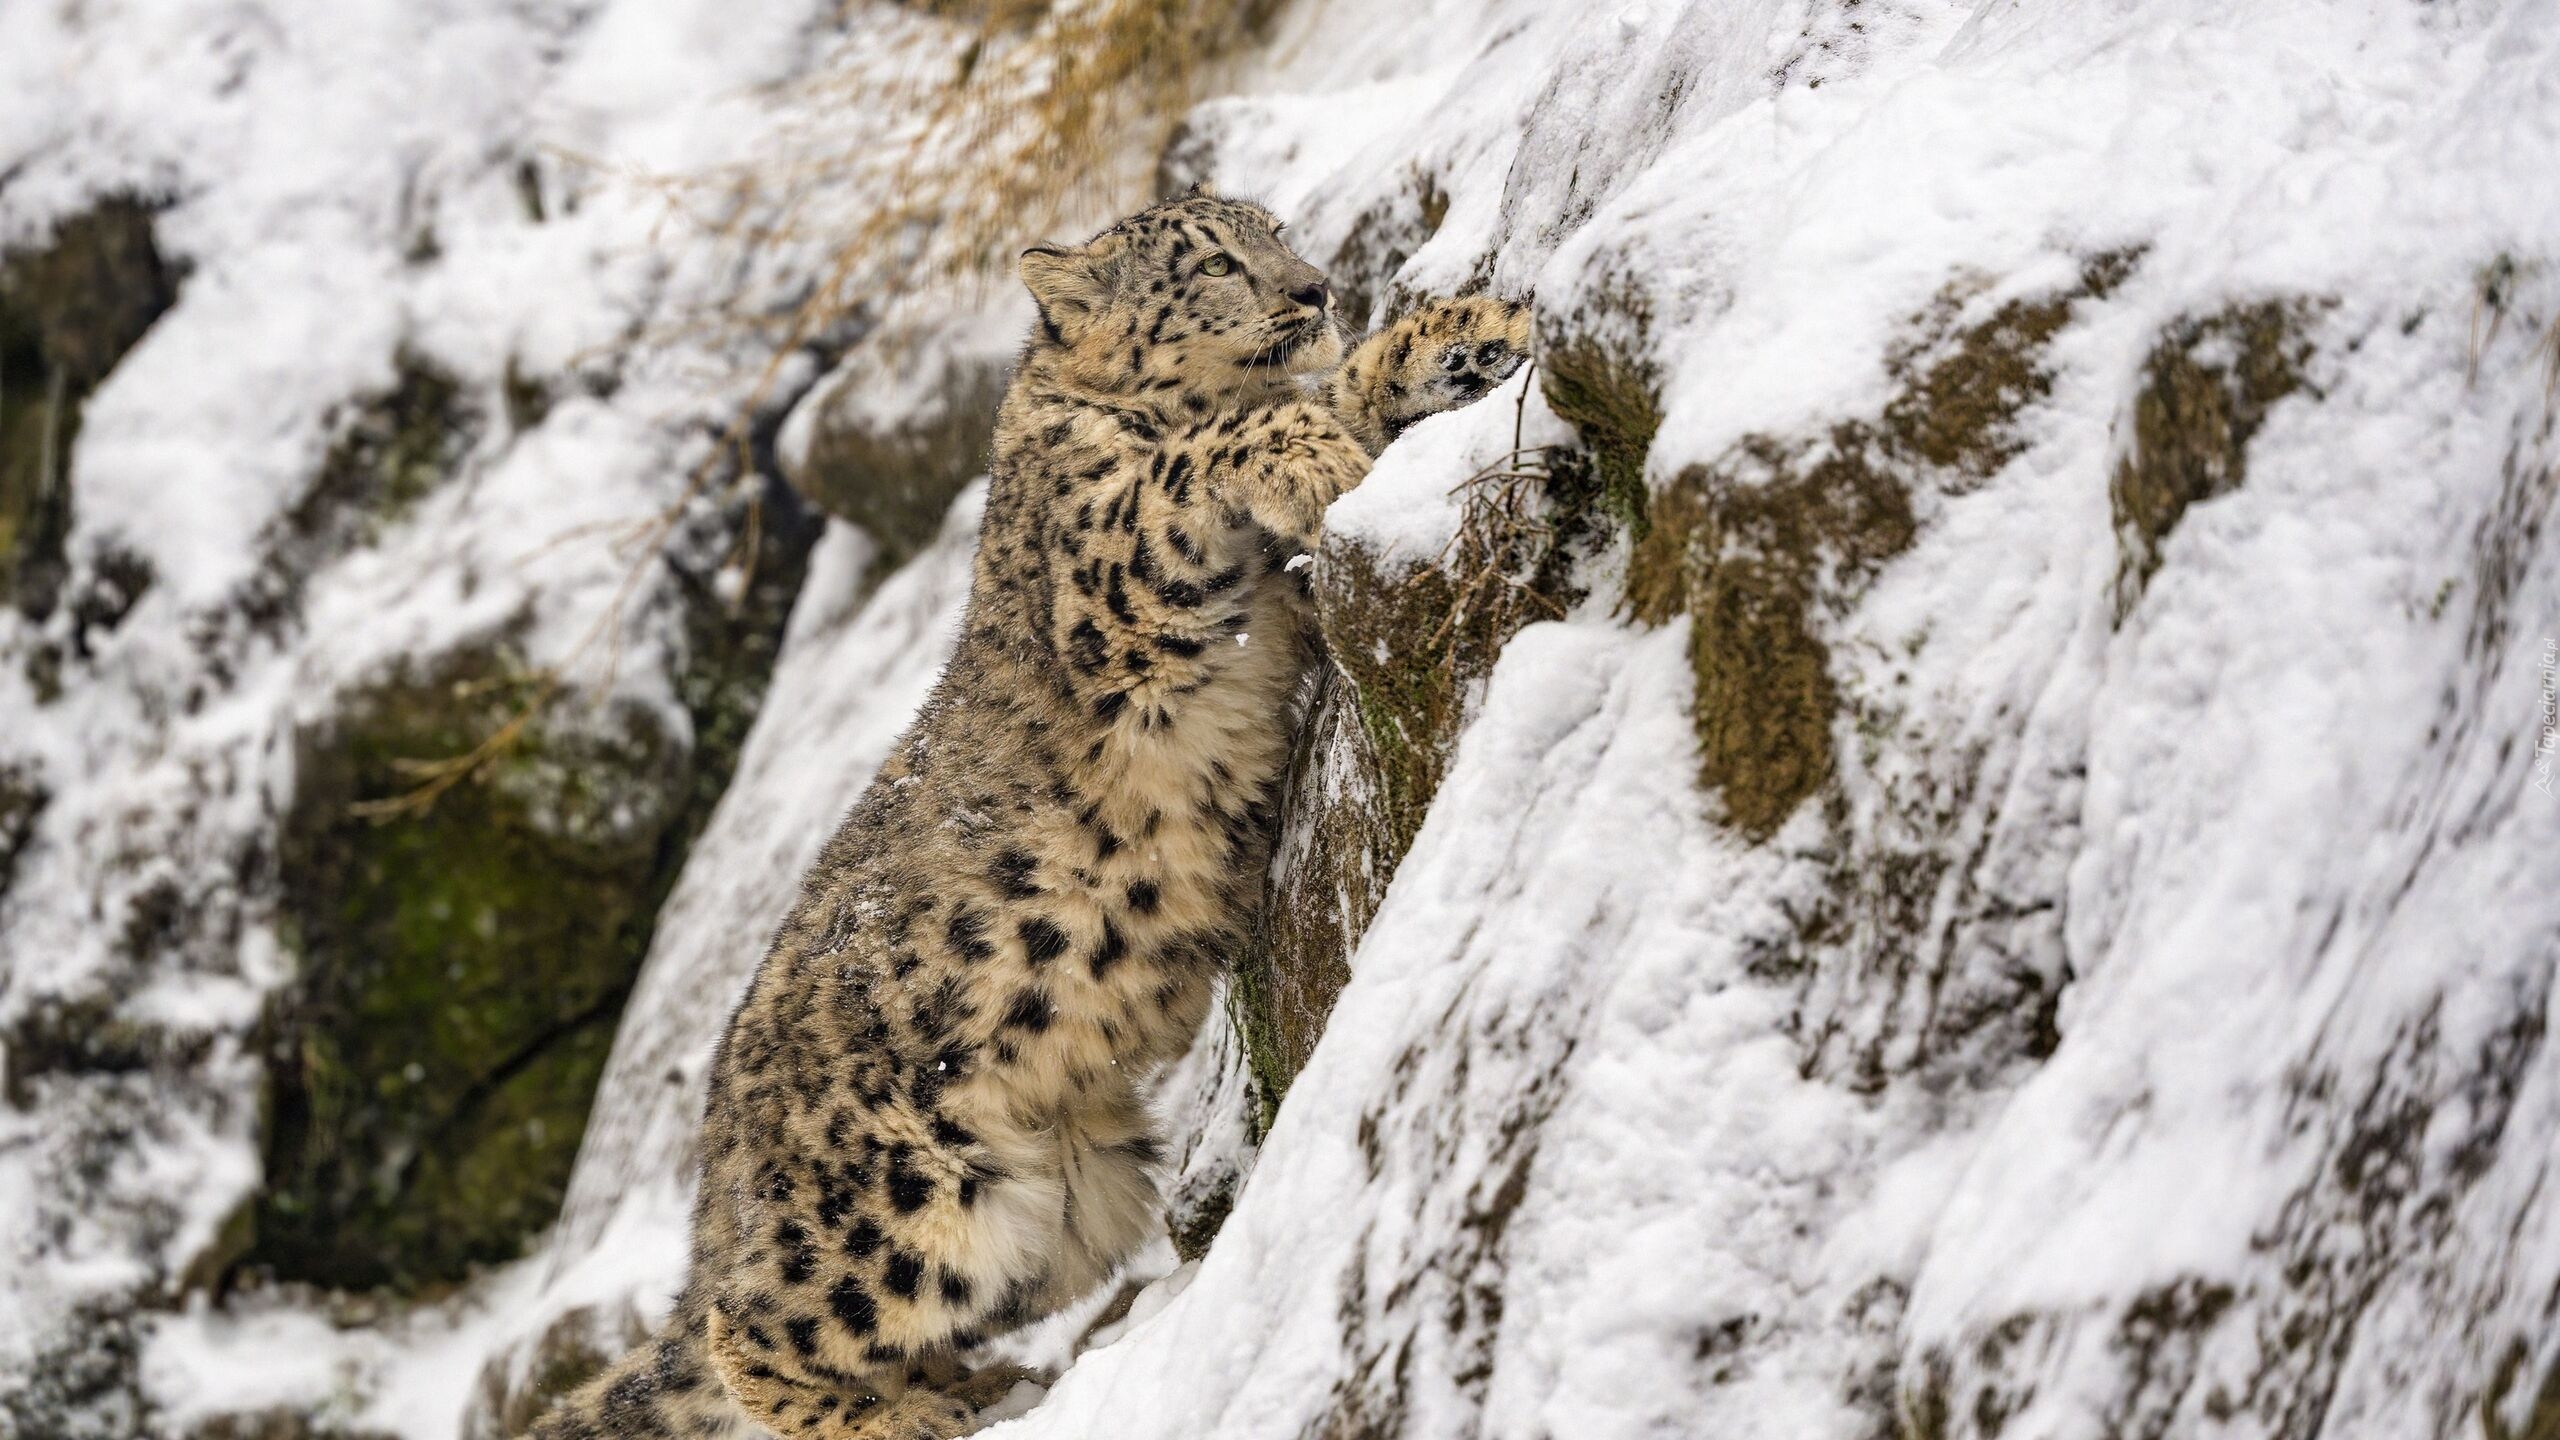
<point>2206,388</point>
<point>1757,546</point>
<point>1743,548</point>
<point>2541,1417</point>
<point>1955,412</point>
<point>1599,378</point>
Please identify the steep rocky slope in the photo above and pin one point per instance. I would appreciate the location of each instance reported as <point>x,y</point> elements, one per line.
<point>339,437</point>
<point>1938,826</point>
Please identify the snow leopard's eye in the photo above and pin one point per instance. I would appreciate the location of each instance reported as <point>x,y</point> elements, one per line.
<point>1216,265</point>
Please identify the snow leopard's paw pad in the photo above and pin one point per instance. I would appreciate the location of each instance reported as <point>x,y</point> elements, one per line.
<point>1463,348</point>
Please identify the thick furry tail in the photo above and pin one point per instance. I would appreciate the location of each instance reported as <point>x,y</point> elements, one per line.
<point>664,1390</point>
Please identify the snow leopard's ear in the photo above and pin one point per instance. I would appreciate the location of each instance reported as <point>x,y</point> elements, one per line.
<point>1204,189</point>
<point>1071,284</point>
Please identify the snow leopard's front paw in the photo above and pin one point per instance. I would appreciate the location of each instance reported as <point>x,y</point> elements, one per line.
<point>1460,349</point>
<point>1468,347</point>
<point>1445,354</point>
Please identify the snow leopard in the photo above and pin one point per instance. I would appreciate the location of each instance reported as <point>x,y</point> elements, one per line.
<point>927,1122</point>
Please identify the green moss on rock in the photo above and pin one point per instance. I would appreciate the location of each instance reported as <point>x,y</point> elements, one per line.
<point>1325,883</point>
<point>1612,401</point>
<point>2206,388</point>
<point>1405,696</point>
<point>392,449</point>
<point>464,968</point>
<point>1369,761</point>
<point>1407,644</point>
<point>23,797</point>
<point>69,310</point>
<point>462,972</point>
<point>464,965</point>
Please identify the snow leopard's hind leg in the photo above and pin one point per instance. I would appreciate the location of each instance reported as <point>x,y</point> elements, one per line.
<point>661,1391</point>
<point>933,1398</point>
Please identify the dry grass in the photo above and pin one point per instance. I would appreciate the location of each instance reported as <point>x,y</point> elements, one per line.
<point>1011,118</point>
<point>2492,290</point>
<point>1504,529</point>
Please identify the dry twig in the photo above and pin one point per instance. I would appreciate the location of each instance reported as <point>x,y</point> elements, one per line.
<point>1502,527</point>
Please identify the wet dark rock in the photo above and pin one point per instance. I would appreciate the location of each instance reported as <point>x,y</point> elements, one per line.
<point>23,797</point>
<point>69,310</point>
<point>896,477</point>
<point>462,970</point>
<point>465,961</point>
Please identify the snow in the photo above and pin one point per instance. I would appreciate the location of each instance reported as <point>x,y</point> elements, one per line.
<point>308,155</point>
<point>2269,936</point>
<point>1599,958</point>
<point>1407,509</point>
<point>859,656</point>
<point>1604,1138</point>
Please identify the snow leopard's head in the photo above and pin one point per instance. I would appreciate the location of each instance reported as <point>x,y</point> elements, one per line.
<point>1198,292</point>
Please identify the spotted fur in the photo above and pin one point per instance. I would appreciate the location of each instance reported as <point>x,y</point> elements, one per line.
<point>927,1121</point>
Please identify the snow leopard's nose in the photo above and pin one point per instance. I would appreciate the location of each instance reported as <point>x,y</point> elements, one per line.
<point>1312,293</point>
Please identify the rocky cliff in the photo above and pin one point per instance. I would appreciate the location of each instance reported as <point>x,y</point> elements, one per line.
<point>1938,825</point>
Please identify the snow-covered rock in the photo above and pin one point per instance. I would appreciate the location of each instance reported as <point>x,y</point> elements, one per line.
<point>342,378</point>
<point>2098,465</point>
<point>1961,849</point>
